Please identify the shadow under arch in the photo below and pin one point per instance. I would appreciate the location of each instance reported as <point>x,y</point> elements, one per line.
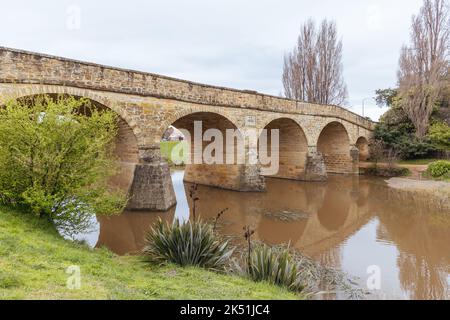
<point>334,145</point>
<point>216,157</point>
<point>291,150</point>
<point>363,146</point>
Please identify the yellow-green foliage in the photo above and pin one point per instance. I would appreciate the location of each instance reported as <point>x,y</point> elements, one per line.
<point>34,260</point>
<point>439,169</point>
<point>174,151</point>
<point>439,134</point>
<point>274,265</point>
<point>56,156</point>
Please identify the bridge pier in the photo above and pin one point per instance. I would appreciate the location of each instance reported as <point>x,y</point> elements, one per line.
<point>355,156</point>
<point>251,179</point>
<point>244,177</point>
<point>152,187</point>
<point>315,168</point>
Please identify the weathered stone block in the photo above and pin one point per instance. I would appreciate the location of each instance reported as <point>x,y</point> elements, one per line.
<point>315,168</point>
<point>152,188</point>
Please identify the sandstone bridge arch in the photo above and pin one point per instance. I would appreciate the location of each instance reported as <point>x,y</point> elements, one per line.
<point>220,160</point>
<point>312,142</point>
<point>291,148</point>
<point>334,145</point>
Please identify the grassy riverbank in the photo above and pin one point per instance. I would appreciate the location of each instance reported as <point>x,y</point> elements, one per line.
<point>167,152</point>
<point>34,259</point>
<point>418,161</point>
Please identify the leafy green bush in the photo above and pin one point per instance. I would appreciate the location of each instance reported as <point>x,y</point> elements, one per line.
<point>439,169</point>
<point>175,152</point>
<point>187,244</point>
<point>387,171</point>
<point>440,135</point>
<point>402,138</point>
<point>398,133</point>
<point>56,160</point>
<point>272,264</point>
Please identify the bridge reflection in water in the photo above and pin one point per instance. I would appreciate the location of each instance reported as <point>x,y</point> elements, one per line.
<point>348,222</point>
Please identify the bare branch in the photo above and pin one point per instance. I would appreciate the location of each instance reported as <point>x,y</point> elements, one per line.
<point>424,64</point>
<point>313,70</point>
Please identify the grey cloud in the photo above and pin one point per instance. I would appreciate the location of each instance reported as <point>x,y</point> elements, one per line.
<point>228,43</point>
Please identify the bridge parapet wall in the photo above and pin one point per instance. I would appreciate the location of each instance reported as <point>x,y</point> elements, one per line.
<point>23,67</point>
<point>148,104</point>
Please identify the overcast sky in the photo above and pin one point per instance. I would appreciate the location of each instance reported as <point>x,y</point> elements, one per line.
<point>232,43</point>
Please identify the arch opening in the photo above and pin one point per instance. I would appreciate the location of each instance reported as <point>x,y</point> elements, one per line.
<point>291,150</point>
<point>363,146</point>
<point>334,145</point>
<point>213,152</point>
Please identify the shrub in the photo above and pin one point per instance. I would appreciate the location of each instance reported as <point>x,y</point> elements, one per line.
<point>397,132</point>
<point>272,264</point>
<point>387,171</point>
<point>440,135</point>
<point>439,169</point>
<point>56,160</point>
<point>187,244</point>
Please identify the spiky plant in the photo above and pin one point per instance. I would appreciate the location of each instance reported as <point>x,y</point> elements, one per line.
<point>271,264</point>
<point>187,244</point>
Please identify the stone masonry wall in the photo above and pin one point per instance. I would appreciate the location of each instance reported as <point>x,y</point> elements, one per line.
<point>292,150</point>
<point>31,68</point>
<point>148,104</point>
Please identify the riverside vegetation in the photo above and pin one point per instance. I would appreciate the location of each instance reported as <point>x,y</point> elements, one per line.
<point>55,160</point>
<point>56,157</point>
<point>197,243</point>
<point>34,259</point>
<point>439,170</point>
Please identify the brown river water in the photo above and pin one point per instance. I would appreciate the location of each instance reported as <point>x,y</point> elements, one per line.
<point>353,224</point>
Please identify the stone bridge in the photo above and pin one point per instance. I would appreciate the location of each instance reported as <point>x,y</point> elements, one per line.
<point>315,140</point>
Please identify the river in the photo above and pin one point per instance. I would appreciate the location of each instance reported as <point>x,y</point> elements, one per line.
<point>355,224</point>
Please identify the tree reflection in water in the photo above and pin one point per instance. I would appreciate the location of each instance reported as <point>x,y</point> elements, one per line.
<point>422,235</point>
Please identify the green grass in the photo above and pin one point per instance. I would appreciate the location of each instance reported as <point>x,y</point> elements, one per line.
<point>418,161</point>
<point>166,151</point>
<point>34,258</point>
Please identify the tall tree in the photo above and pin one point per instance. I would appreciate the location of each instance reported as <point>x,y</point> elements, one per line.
<point>424,64</point>
<point>313,71</point>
